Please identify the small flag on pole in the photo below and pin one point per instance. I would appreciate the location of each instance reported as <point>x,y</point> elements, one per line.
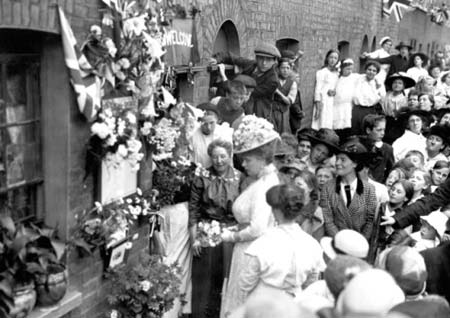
<point>396,7</point>
<point>86,85</point>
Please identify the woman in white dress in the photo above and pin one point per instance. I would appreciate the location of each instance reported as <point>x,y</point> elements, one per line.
<point>417,66</point>
<point>326,79</point>
<point>285,258</point>
<point>254,140</point>
<point>342,110</point>
<point>384,51</point>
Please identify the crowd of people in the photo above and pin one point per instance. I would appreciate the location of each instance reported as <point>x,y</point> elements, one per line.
<point>348,218</point>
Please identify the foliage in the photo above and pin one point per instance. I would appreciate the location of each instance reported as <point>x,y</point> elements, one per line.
<point>26,251</point>
<point>146,290</point>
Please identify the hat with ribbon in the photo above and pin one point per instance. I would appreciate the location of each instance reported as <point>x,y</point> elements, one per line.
<point>408,82</point>
<point>253,132</point>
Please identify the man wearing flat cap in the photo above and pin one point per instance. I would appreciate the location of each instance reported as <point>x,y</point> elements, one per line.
<point>262,70</point>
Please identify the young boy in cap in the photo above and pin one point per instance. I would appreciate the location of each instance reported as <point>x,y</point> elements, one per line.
<point>263,71</point>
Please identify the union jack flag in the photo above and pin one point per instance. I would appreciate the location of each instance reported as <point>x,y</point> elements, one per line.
<point>396,7</point>
<point>86,85</point>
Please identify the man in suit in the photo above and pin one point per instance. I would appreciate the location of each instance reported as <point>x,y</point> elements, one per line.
<point>400,62</point>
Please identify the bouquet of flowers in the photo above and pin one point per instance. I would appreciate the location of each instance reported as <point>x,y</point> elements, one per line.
<point>146,290</point>
<point>109,224</point>
<point>114,139</point>
<point>209,233</point>
<point>172,179</point>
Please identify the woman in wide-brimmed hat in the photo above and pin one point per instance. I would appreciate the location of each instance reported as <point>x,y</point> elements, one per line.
<point>414,122</point>
<point>349,202</point>
<point>254,141</point>
<point>417,66</point>
<point>324,145</point>
<point>397,62</point>
<point>396,99</point>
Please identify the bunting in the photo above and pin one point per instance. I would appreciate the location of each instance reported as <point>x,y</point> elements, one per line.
<point>395,7</point>
<point>86,85</point>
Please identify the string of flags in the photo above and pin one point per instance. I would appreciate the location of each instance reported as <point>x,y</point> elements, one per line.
<point>439,13</point>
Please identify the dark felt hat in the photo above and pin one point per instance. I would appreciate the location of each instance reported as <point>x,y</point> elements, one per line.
<point>208,107</point>
<point>407,81</point>
<point>305,133</point>
<point>404,116</point>
<point>248,81</point>
<point>442,131</point>
<point>288,54</point>
<point>267,49</point>
<point>356,151</point>
<point>403,44</point>
<point>327,137</point>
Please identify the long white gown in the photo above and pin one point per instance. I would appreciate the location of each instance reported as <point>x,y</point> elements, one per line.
<point>254,215</point>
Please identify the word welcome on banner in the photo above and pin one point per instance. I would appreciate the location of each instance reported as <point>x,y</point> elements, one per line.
<point>180,42</point>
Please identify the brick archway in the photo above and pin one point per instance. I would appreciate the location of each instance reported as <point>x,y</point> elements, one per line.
<point>213,19</point>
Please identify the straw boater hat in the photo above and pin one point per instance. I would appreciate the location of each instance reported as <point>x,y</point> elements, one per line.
<point>407,81</point>
<point>403,44</point>
<point>346,242</point>
<point>252,133</point>
<point>268,50</point>
<point>326,137</point>
<point>384,39</point>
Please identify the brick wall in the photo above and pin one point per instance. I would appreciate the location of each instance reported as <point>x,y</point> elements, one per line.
<point>318,25</point>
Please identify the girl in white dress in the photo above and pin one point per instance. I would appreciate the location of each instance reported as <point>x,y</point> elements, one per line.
<point>326,79</point>
<point>417,67</point>
<point>342,110</point>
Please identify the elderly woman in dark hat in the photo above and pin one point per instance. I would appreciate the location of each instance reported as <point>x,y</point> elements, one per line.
<point>417,66</point>
<point>349,202</point>
<point>414,122</point>
<point>323,146</point>
<point>263,70</point>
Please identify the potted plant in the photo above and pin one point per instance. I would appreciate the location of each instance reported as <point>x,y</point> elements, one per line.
<point>17,289</point>
<point>44,261</point>
<point>146,290</point>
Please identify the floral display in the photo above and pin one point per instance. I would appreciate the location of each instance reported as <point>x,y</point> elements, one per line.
<point>109,224</point>
<point>253,131</point>
<point>114,139</point>
<point>171,179</point>
<point>147,290</point>
<point>208,233</point>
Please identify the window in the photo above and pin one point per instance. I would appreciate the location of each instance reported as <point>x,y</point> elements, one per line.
<point>20,139</point>
<point>344,49</point>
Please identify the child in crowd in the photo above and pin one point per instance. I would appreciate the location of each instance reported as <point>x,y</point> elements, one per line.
<point>304,144</point>
<point>374,127</point>
<point>416,158</point>
<point>342,110</point>
<point>400,194</point>
<point>413,99</point>
<point>426,102</point>
<point>285,96</point>
<point>437,140</point>
<point>312,220</point>
<point>324,174</point>
<point>431,231</point>
<point>421,180</point>
<point>395,175</point>
<point>229,107</point>
<point>439,174</point>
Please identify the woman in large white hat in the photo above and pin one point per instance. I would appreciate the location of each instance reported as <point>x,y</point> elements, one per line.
<point>254,141</point>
